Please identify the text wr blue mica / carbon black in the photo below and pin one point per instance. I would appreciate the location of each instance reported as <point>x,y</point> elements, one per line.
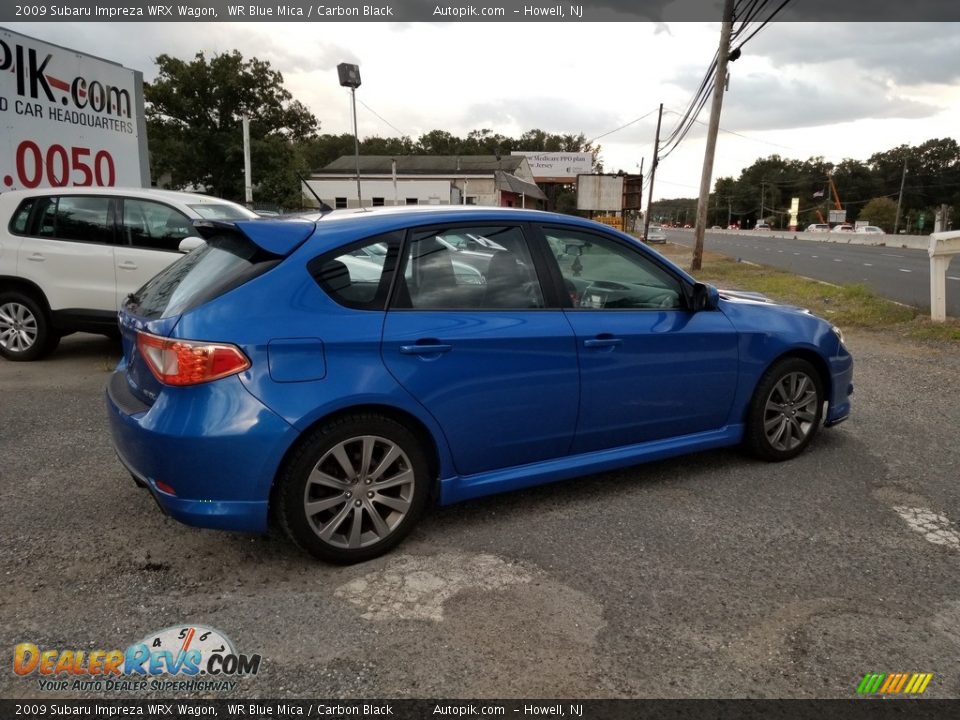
<point>338,371</point>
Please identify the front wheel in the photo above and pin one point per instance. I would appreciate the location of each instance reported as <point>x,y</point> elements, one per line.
<point>785,411</point>
<point>354,489</point>
<point>25,332</point>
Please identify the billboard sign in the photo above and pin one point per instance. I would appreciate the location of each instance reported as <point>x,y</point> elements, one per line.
<point>600,192</point>
<point>68,119</point>
<point>838,216</point>
<point>557,167</point>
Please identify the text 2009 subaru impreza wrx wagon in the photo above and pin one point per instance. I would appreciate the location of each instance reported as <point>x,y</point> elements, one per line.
<point>338,372</point>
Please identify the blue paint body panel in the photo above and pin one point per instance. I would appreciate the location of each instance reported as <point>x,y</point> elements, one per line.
<point>517,399</point>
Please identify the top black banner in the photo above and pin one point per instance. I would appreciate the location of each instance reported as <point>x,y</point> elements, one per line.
<point>466,11</point>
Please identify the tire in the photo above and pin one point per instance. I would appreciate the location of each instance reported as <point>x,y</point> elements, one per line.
<point>785,411</point>
<point>25,330</point>
<point>344,510</point>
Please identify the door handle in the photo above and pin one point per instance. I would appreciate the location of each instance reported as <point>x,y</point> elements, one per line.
<point>425,349</point>
<point>603,342</point>
<point>36,257</point>
<point>127,265</point>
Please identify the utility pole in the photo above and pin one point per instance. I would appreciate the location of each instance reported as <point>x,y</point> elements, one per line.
<point>653,173</point>
<point>763,196</point>
<point>903,180</point>
<point>719,82</point>
<point>247,179</point>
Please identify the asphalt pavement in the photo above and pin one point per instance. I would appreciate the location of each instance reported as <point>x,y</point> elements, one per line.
<point>900,274</point>
<point>713,575</point>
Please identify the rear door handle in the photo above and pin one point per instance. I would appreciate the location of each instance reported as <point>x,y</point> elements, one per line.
<point>425,349</point>
<point>127,265</point>
<point>36,257</point>
<point>607,342</point>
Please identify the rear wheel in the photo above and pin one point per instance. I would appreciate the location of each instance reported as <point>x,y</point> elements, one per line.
<point>354,489</point>
<point>25,331</point>
<point>785,411</point>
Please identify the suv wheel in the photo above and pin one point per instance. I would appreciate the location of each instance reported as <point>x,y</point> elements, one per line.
<point>354,489</point>
<point>25,332</point>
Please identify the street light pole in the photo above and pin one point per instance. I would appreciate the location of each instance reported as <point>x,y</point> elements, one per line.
<point>350,77</point>
<point>653,174</point>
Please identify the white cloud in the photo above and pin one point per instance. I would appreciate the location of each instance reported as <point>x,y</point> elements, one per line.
<point>835,89</point>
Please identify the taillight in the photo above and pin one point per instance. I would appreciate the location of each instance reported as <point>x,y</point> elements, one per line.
<point>189,362</point>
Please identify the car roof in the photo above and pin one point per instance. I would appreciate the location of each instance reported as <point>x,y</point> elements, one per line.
<point>140,192</point>
<point>402,215</point>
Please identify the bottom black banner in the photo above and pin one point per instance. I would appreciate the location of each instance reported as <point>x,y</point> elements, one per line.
<point>416,709</point>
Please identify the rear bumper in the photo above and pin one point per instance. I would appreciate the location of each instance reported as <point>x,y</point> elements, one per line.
<point>215,446</point>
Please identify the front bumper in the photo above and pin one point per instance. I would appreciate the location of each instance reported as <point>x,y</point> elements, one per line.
<point>215,446</point>
<point>841,381</point>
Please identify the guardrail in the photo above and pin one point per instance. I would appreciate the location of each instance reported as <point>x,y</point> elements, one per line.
<point>943,246</point>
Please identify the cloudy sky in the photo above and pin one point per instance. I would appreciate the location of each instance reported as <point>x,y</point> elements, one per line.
<point>838,90</point>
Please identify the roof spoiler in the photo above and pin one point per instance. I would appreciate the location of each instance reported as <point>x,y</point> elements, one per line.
<point>277,237</point>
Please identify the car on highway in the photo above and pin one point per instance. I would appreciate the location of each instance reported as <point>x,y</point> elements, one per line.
<point>656,235</point>
<point>70,256</point>
<point>842,229</point>
<point>261,379</point>
<point>762,226</point>
<point>818,227</point>
<point>870,230</point>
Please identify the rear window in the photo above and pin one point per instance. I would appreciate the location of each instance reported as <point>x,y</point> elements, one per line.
<point>223,263</point>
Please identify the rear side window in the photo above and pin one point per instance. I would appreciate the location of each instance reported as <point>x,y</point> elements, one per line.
<point>223,263</point>
<point>18,224</point>
<point>80,218</point>
<point>359,275</point>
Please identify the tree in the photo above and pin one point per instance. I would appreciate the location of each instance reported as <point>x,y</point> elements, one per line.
<point>194,127</point>
<point>881,212</point>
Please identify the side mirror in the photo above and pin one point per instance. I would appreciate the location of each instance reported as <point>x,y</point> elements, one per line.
<point>190,243</point>
<point>704,297</point>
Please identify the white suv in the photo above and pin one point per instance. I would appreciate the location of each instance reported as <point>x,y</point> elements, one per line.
<point>70,256</point>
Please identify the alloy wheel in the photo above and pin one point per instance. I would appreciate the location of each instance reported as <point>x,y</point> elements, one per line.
<point>790,413</point>
<point>359,492</point>
<point>18,327</point>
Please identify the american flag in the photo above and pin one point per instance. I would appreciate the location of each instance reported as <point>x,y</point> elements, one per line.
<point>818,193</point>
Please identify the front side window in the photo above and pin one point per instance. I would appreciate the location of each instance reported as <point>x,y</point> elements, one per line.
<point>359,276</point>
<point>474,268</point>
<point>601,273</point>
<point>148,224</point>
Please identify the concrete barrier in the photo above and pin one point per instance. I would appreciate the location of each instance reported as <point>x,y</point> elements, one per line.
<point>915,242</point>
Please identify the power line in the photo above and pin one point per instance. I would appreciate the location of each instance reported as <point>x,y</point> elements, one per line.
<point>625,125</point>
<point>402,133</point>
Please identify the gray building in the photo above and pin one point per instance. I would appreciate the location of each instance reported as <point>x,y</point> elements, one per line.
<point>426,180</point>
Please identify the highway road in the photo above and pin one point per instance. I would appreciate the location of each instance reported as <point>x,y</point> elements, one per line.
<point>896,273</point>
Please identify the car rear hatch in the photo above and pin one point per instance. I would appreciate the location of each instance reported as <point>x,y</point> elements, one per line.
<point>233,254</point>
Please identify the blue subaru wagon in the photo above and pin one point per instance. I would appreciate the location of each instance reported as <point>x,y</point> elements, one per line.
<point>337,372</point>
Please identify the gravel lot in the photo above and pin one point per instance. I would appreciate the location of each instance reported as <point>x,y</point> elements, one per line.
<point>708,576</point>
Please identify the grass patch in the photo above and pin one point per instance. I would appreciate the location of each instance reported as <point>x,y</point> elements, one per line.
<point>847,306</point>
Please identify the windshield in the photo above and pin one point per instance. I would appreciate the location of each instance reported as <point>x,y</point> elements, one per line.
<point>222,211</point>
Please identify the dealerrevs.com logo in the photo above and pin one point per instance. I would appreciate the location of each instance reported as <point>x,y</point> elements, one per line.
<point>192,658</point>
